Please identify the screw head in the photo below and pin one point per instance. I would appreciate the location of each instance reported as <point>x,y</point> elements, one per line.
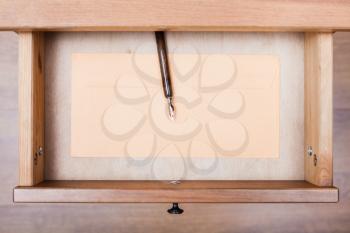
<point>40,151</point>
<point>309,150</point>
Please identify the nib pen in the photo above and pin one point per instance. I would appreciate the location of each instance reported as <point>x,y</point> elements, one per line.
<point>165,73</point>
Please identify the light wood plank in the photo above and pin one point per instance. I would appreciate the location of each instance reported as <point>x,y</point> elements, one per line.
<point>188,191</point>
<point>253,15</point>
<point>31,108</point>
<point>318,107</point>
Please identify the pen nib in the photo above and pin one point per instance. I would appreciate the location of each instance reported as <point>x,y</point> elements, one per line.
<point>171,109</point>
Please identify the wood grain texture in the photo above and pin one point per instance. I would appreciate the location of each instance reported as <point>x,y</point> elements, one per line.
<point>253,15</point>
<point>319,108</point>
<point>31,108</point>
<point>8,113</point>
<point>341,71</point>
<point>188,191</point>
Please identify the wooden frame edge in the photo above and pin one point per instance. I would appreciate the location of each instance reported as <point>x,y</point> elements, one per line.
<point>31,108</point>
<point>233,15</point>
<point>144,192</point>
<point>318,108</point>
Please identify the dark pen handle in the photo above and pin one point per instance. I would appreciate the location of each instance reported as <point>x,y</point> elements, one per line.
<point>164,66</point>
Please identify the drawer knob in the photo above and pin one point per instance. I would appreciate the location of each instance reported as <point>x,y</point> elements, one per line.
<point>175,209</point>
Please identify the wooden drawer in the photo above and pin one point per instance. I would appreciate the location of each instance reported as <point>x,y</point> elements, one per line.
<point>43,173</point>
<point>34,186</point>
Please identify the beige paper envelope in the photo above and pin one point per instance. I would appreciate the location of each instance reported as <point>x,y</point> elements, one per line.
<point>226,105</point>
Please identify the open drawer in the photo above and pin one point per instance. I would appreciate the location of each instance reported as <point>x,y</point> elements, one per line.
<point>272,144</point>
<point>286,157</point>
